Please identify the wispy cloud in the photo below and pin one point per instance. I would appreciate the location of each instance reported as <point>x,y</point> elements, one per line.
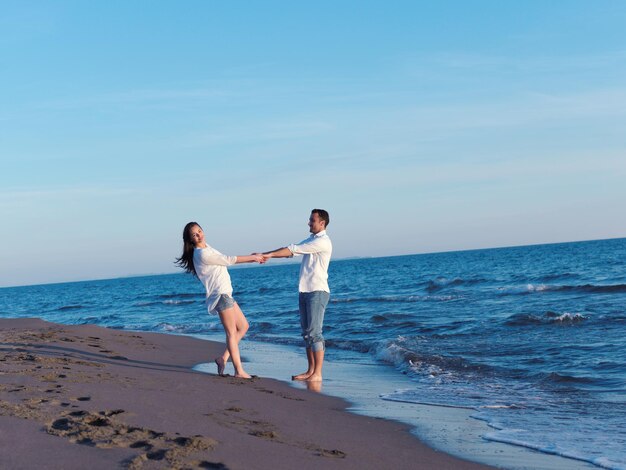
<point>525,109</point>
<point>536,63</point>
<point>55,195</point>
<point>258,132</point>
<point>518,63</point>
<point>142,97</point>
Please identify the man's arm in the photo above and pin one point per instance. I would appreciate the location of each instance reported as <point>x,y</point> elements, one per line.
<point>283,252</point>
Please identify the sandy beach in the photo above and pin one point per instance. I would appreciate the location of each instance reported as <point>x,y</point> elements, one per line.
<point>78,396</point>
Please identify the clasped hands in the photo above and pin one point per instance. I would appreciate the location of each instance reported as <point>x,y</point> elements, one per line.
<point>260,257</point>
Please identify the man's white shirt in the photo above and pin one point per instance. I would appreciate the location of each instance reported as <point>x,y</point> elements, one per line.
<point>316,251</point>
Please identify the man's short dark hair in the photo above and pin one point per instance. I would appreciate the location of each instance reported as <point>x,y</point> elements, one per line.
<point>322,215</point>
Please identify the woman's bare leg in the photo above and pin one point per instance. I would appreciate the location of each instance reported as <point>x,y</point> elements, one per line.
<point>242,328</point>
<point>235,327</point>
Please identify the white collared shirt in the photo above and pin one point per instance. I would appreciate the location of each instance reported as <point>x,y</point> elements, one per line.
<point>316,251</point>
<point>211,269</point>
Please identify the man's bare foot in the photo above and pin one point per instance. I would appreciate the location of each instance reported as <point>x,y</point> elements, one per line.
<point>219,362</point>
<point>304,376</point>
<point>314,378</point>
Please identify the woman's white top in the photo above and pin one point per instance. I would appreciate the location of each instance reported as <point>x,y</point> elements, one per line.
<point>211,269</point>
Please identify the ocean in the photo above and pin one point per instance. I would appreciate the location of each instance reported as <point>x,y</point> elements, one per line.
<point>531,339</point>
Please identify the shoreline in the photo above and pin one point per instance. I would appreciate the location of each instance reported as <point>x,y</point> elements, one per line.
<point>452,430</point>
<point>77,396</point>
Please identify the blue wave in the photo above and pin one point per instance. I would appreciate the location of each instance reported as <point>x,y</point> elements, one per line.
<point>585,288</point>
<point>180,296</point>
<point>594,289</point>
<point>555,377</point>
<point>524,319</point>
<point>441,283</point>
<point>70,307</point>
<point>397,298</point>
<point>170,301</point>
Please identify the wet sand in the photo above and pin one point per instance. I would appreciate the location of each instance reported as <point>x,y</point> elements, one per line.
<point>91,397</point>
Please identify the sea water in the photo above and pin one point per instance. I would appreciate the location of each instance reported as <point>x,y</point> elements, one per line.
<point>531,340</point>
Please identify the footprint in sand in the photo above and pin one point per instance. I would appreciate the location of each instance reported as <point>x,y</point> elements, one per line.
<point>141,445</point>
<point>334,453</point>
<point>156,455</point>
<point>211,465</point>
<point>264,434</point>
<point>61,424</point>
<point>102,430</point>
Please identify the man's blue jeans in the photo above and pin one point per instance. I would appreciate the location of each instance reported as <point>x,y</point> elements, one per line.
<point>312,308</point>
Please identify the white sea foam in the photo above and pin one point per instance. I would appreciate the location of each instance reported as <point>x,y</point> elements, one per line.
<point>495,407</point>
<point>167,327</point>
<point>517,437</point>
<point>570,317</point>
<point>528,419</point>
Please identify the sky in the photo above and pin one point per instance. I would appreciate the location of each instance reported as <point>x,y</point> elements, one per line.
<point>420,126</point>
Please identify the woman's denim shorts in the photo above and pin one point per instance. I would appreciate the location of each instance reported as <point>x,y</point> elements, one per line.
<point>225,302</point>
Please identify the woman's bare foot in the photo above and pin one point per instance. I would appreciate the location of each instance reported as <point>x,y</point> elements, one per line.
<point>304,376</point>
<point>219,362</point>
<point>243,375</point>
<point>314,378</point>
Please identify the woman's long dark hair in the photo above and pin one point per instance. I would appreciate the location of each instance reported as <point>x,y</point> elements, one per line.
<point>186,259</point>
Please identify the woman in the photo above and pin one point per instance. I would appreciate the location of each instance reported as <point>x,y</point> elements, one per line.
<point>209,266</point>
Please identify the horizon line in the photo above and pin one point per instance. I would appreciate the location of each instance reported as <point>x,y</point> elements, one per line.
<point>289,261</point>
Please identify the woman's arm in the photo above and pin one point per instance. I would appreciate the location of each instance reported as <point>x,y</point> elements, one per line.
<point>250,259</point>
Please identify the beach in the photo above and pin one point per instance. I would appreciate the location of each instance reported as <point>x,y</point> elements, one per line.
<point>87,396</point>
<point>488,356</point>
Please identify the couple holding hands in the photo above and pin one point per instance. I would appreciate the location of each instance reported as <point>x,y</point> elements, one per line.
<point>209,266</point>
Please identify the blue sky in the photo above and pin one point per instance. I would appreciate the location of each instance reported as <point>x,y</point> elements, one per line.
<point>420,127</point>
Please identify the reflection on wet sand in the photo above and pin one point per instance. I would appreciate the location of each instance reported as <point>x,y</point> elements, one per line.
<point>315,386</point>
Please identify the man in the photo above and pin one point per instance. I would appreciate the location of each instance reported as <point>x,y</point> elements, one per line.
<point>313,287</point>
